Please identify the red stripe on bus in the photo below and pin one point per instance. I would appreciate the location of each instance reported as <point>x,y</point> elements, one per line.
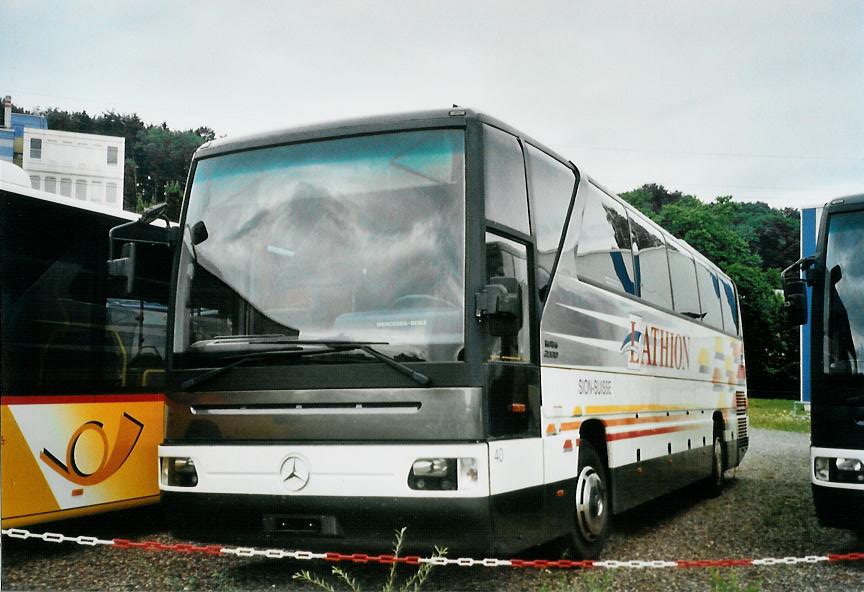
<point>639,433</point>
<point>65,399</point>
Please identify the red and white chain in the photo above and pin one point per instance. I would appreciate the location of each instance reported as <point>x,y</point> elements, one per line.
<point>50,537</point>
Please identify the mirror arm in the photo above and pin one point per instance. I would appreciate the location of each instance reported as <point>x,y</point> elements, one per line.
<point>802,265</point>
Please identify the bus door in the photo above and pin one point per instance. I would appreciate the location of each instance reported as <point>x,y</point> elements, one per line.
<point>512,374</point>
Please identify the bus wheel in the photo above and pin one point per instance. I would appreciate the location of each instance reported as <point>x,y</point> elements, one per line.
<point>714,483</point>
<point>591,518</point>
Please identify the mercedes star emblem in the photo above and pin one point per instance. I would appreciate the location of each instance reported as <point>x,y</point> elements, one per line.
<point>294,473</point>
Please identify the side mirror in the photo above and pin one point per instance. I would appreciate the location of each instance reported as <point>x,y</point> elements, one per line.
<point>125,266</point>
<point>500,303</point>
<point>138,235</point>
<point>795,291</point>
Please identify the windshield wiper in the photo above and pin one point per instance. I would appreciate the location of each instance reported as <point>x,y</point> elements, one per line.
<point>242,359</point>
<point>417,377</point>
<point>296,349</point>
<point>343,346</point>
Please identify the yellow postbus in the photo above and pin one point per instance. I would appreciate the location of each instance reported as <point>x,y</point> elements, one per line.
<point>82,363</point>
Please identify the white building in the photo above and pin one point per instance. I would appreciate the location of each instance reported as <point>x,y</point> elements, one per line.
<point>82,166</point>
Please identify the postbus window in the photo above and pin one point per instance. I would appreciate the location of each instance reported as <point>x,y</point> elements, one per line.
<point>650,264</point>
<point>551,185</point>
<point>729,306</point>
<point>506,258</point>
<point>709,292</point>
<point>685,291</point>
<point>603,255</point>
<point>504,180</point>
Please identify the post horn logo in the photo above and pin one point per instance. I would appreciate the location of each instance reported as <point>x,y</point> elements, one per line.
<point>127,436</point>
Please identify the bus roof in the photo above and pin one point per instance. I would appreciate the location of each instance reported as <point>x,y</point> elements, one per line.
<point>847,202</point>
<point>456,116</point>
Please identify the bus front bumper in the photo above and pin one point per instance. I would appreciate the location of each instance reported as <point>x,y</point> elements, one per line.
<point>346,524</point>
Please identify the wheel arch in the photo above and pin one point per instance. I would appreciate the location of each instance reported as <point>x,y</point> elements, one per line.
<point>593,432</point>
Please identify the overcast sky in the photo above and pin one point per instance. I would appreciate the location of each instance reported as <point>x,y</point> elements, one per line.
<point>762,100</point>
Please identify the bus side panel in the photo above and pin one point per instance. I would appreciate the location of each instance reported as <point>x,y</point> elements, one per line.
<point>652,380</point>
<point>69,453</point>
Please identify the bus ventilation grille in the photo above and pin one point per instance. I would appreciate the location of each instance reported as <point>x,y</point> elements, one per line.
<point>741,413</point>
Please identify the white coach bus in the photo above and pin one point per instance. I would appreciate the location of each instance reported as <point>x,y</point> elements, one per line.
<point>433,321</point>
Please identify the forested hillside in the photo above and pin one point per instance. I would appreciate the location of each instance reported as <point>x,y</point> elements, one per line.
<point>157,157</point>
<point>752,242</point>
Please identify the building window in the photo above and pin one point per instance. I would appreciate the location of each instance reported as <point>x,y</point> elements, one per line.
<point>111,193</point>
<point>112,154</point>
<point>36,182</point>
<point>66,187</point>
<point>36,148</point>
<point>96,193</point>
<point>80,189</point>
<point>51,184</point>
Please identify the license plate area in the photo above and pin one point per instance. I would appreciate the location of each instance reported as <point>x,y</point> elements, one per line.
<point>302,524</point>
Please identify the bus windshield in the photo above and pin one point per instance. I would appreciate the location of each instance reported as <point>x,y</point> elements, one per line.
<point>352,239</point>
<point>844,295</point>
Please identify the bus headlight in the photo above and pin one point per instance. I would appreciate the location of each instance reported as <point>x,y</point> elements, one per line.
<point>179,472</point>
<point>443,474</point>
<point>849,464</point>
<point>820,468</point>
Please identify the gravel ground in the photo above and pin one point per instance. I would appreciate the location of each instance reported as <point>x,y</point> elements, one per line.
<point>765,511</point>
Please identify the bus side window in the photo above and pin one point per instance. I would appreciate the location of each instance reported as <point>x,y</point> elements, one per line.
<point>603,255</point>
<point>651,265</point>
<point>684,288</point>
<point>709,293</point>
<point>551,187</point>
<point>506,258</point>
<point>504,180</point>
<point>729,306</point>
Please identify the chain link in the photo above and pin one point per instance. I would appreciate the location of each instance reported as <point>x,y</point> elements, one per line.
<point>53,537</point>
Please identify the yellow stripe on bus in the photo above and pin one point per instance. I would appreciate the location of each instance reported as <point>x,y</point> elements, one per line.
<point>600,409</point>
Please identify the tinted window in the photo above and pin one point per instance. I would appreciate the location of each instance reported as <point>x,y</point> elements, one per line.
<point>66,328</point>
<point>844,294</point>
<point>603,254</point>
<point>504,179</point>
<point>650,266</point>
<point>551,184</point>
<point>729,306</point>
<point>709,292</point>
<point>683,272</point>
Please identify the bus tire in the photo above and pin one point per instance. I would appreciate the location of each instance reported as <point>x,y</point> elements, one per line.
<point>714,483</point>
<point>591,516</point>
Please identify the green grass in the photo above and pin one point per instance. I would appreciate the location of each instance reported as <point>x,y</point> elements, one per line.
<point>773,414</point>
